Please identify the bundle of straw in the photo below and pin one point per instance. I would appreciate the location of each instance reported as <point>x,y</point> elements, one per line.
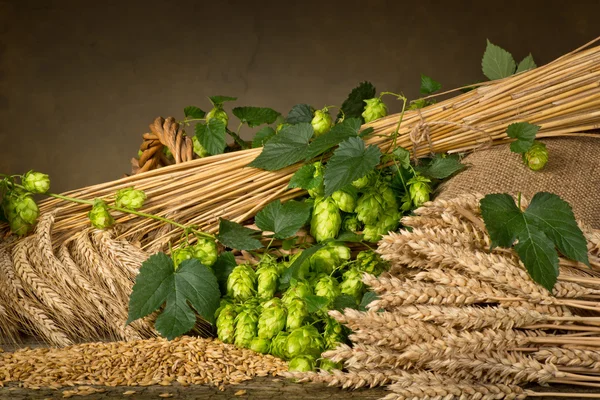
<point>562,97</point>
<point>454,320</point>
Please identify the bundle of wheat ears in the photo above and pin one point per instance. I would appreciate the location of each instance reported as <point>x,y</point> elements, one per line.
<point>456,321</point>
<point>68,282</point>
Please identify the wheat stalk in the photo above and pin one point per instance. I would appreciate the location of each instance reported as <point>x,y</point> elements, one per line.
<point>448,391</point>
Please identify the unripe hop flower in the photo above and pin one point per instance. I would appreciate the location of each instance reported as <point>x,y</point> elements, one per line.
<point>205,250</point>
<point>351,223</point>
<point>260,345</point>
<point>267,277</point>
<point>375,109</point>
<point>218,113</point>
<point>371,233</point>
<point>302,364</point>
<point>327,286</point>
<point>241,282</point>
<point>344,201</point>
<point>298,289</point>
<point>368,261</point>
<point>326,219</point>
<point>100,215</point>
<point>328,258</point>
<point>369,207</point>
<point>333,333</point>
<point>352,283</point>
<point>36,182</point>
<point>318,191</point>
<point>180,255</point>
<point>226,324</point>
<point>199,150</point>
<point>321,122</point>
<point>278,346</point>
<point>419,189</point>
<point>297,313</point>
<point>305,340</point>
<point>363,182</point>
<point>536,157</point>
<point>130,198</point>
<point>246,327</point>
<point>21,211</point>
<point>272,319</point>
<point>328,365</point>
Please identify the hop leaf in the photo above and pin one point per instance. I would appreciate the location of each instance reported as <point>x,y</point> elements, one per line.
<point>193,112</point>
<point>354,105</point>
<point>525,133</point>
<point>428,85</point>
<point>36,182</point>
<point>211,136</point>
<point>255,116</point>
<point>497,63</point>
<point>283,220</point>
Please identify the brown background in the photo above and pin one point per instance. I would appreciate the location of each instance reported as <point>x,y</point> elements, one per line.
<point>81,80</point>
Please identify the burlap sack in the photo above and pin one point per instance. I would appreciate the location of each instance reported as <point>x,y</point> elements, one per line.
<point>572,172</point>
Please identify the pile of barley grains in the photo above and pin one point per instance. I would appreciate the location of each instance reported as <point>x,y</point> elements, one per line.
<point>185,360</point>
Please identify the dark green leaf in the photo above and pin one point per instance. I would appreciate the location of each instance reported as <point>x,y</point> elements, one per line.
<point>366,132</point>
<point>525,133</point>
<point>429,86</point>
<point>402,156</point>
<point>442,167</point>
<point>193,112</point>
<point>219,100</point>
<point>367,299</point>
<point>222,267</point>
<point>346,129</point>
<point>497,63</point>
<point>288,244</point>
<point>236,236</point>
<point>349,237</point>
<point>255,116</point>
<point>286,148</point>
<point>292,271</point>
<point>316,303</point>
<point>158,282</point>
<point>354,105</point>
<point>350,161</point>
<point>283,220</point>
<point>344,301</point>
<point>305,178</point>
<point>539,257</point>
<point>300,113</point>
<point>263,136</point>
<point>503,219</point>
<point>526,64</point>
<point>212,136</point>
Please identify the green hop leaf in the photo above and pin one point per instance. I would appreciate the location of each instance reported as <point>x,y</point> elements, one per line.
<point>321,122</point>
<point>428,85</point>
<point>344,301</point>
<point>241,283</point>
<point>219,100</point>
<point>367,299</point>
<point>346,129</point>
<point>260,345</point>
<point>305,340</point>
<point>326,220</point>
<point>263,136</point>
<point>193,112</point>
<point>283,220</point>
<point>300,113</point>
<point>191,285</point>
<point>284,149</point>
<point>36,182</point>
<point>302,364</point>
<point>226,324</point>
<point>442,167</point>
<point>100,216</point>
<point>328,365</point>
<point>374,110</point>
<point>211,136</point>
<point>525,133</point>
<point>497,63</point>
<point>246,327</point>
<point>536,157</point>
<point>199,150</point>
<point>222,268</point>
<point>354,105</point>
<point>255,116</point>
<point>130,198</point>
<point>402,156</point>
<point>307,178</point>
<point>526,64</point>
<point>236,236</point>
<point>272,318</point>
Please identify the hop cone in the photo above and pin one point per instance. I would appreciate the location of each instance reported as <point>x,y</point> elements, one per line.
<point>246,326</point>
<point>345,201</point>
<point>279,346</point>
<point>363,182</point>
<point>240,283</point>
<point>351,223</point>
<point>369,207</point>
<point>317,192</point>
<point>352,283</point>
<point>130,198</point>
<point>226,324</point>
<point>321,122</point>
<point>299,289</point>
<point>205,250</point>
<point>297,313</point>
<point>371,233</point>
<point>305,340</point>
<point>333,333</point>
<point>21,211</point>
<point>36,182</point>
<point>326,220</point>
<point>536,157</point>
<point>389,221</point>
<point>368,261</point>
<point>268,276</point>
<point>328,258</point>
<point>181,254</point>
<point>272,318</point>
<point>302,364</point>
<point>328,365</point>
<point>388,196</point>
<point>375,109</point>
<point>419,189</point>
<point>328,287</point>
<point>100,216</point>
<point>199,150</point>
<point>218,113</point>
<point>260,345</point>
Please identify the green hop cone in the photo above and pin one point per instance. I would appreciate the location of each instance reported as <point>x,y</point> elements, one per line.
<point>328,258</point>
<point>320,190</point>
<point>167,152</point>
<point>297,314</point>
<point>371,233</point>
<point>333,333</point>
<point>267,277</point>
<point>130,198</point>
<point>419,189</point>
<point>36,182</point>
<point>326,219</point>
<point>536,157</point>
<point>272,318</point>
<point>278,345</point>
<point>302,364</point>
<point>21,211</point>
<point>241,282</point>
<point>388,196</point>
<point>351,223</point>
<point>100,215</point>
<point>345,201</point>
<point>352,283</point>
<point>205,250</point>
<point>181,254</point>
<point>370,262</point>
<point>218,113</point>
<point>369,207</point>
<point>363,182</point>
<point>199,150</point>
<point>260,345</point>
<point>375,109</point>
<point>327,365</point>
<point>321,122</point>
<point>298,289</point>
<point>246,327</point>
<point>327,286</point>
<point>305,340</point>
<point>226,324</point>
<point>389,221</point>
